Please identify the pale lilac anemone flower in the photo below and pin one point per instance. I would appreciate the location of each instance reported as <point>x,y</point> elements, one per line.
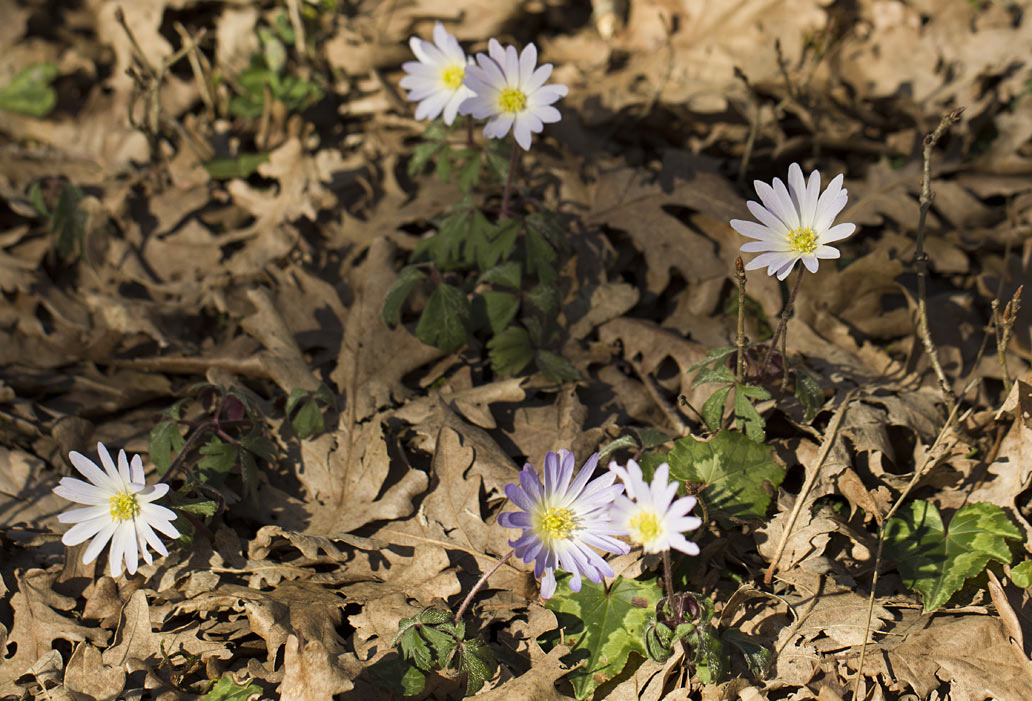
<point>795,223</point>
<point>563,519</point>
<point>119,508</point>
<point>511,93</point>
<point>435,81</point>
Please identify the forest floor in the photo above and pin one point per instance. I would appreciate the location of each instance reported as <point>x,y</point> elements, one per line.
<point>204,206</point>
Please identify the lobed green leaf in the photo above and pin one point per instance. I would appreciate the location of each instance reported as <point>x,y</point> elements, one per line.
<point>739,473</point>
<point>603,627</point>
<point>446,319</point>
<point>936,562</point>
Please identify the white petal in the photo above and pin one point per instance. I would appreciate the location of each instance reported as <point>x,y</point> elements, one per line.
<point>768,218</point>
<point>788,212</point>
<point>528,59</point>
<point>98,543</point>
<point>84,514</point>
<point>755,231</point>
<point>810,262</point>
<point>82,492</point>
<point>837,233</point>
<point>85,530</point>
<point>827,252</point>
<point>88,469</point>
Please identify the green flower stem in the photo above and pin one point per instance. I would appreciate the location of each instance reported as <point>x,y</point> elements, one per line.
<point>785,315</point>
<point>513,161</point>
<point>479,584</point>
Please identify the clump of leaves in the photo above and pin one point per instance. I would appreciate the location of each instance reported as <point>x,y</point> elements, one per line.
<point>484,273</point>
<point>269,71</point>
<point>433,640</point>
<point>225,443</point>
<point>305,410</point>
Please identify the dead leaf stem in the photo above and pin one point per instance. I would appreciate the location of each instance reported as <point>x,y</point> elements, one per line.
<point>921,258</point>
<point>663,404</point>
<point>811,478</point>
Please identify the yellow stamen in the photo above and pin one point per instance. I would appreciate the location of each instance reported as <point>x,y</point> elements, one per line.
<point>644,527</point>
<point>556,523</point>
<point>512,100</point>
<point>452,77</point>
<point>802,240</point>
<point>124,507</point>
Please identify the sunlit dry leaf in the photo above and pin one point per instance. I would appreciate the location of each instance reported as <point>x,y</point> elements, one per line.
<point>311,673</point>
<point>86,673</point>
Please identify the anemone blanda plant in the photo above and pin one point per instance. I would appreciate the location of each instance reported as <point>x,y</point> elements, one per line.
<point>510,93</point>
<point>119,508</point>
<point>562,519</point>
<point>435,80</point>
<point>795,223</point>
<point>649,513</point>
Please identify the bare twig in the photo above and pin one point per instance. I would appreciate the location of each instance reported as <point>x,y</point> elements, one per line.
<point>661,402</point>
<point>1003,324</point>
<point>828,442</point>
<point>921,258</point>
<point>740,338</point>
<point>931,459</point>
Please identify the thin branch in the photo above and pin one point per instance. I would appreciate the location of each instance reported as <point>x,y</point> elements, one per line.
<point>921,258</point>
<point>479,584</point>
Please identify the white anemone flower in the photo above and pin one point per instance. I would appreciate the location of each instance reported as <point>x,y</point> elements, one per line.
<point>435,80</point>
<point>795,223</point>
<point>119,508</point>
<point>649,514</point>
<point>511,93</point>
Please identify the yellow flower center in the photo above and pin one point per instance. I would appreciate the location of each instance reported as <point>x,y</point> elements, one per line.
<point>802,240</point>
<point>512,100</point>
<point>644,527</point>
<point>124,507</point>
<point>452,77</point>
<point>556,523</point>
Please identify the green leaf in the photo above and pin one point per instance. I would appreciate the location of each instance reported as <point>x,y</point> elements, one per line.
<point>501,309</point>
<point>809,394</point>
<point>67,221</point>
<point>711,658</point>
<point>757,657</point>
<point>219,458</point>
<point>621,442</point>
<point>296,396</point>
<point>259,444</point>
<point>308,420</point>
<point>545,298</point>
<point>165,440</point>
<point>29,92</point>
<point>396,674</point>
<point>446,319</point>
<point>1021,576</point>
<point>749,420</point>
<point>496,154</point>
<point>421,155</point>
<point>201,507</point>
<point>603,627</point>
<point>510,351</point>
<point>555,367</point>
<point>713,409</point>
<point>548,225</point>
<point>488,243</point>
<point>226,689</point>
<point>936,563</point>
<point>506,274</point>
<point>406,281</point>
<point>712,356</point>
<point>242,166</point>
<point>740,474</point>
<point>720,373</point>
<point>413,646</point>
<point>650,437</point>
<point>478,662</point>
<point>541,257</point>
<point>445,247</point>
